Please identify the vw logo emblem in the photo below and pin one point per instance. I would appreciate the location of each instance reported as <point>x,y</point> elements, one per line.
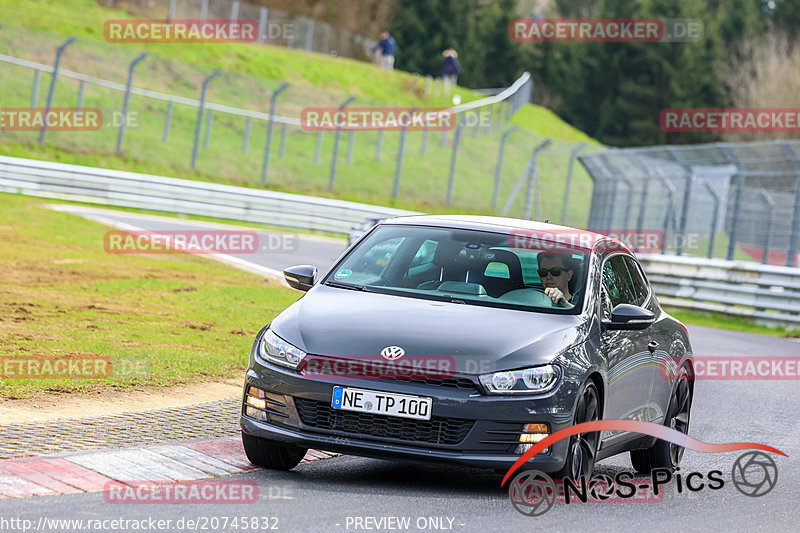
<point>392,352</point>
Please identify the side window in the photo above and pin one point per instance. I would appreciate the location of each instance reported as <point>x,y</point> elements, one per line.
<point>639,284</point>
<point>617,282</point>
<point>425,254</point>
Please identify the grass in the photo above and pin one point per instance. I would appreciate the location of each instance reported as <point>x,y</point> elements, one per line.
<point>722,321</point>
<point>162,320</point>
<point>251,73</point>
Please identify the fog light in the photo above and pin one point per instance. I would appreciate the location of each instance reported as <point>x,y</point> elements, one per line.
<point>532,433</point>
<point>522,448</point>
<point>257,402</point>
<point>252,412</point>
<point>255,391</point>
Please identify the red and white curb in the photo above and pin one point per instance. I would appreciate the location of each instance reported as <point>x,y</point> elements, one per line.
<point>98,470</point>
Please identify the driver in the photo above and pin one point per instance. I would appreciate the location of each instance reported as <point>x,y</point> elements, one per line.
<point>556,271</point>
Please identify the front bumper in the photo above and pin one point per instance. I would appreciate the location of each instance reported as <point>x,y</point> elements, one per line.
<point>467,427</point>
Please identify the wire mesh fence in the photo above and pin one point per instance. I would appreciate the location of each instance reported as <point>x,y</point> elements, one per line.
<point>729,200</point>
<point>242,130</point>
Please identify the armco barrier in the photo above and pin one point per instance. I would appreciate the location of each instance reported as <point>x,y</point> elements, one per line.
<point>768,294</point>
<point>144,191</point>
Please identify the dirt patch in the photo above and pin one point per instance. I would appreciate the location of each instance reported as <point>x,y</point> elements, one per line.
<point>107,400</point>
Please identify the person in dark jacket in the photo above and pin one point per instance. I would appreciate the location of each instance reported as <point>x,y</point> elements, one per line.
<point>388,48</point>
<point>450,69</point>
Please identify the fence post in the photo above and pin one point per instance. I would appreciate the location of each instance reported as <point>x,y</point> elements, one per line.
<point>768,239</point>
<point>428,80</point>
<point>400,150</point>
<point>203,9</point>
<point>209,122</point>
<point>568,183</point>
<point>424,145</point>
<point>200,110</point>
<point>171,12</point>
<point>378,145</point>
<point>310,34</point>
<point>715,220</point>
<point>668,212</point>
<point>59,51</point>
<point>499,168</point>
<point>526,213</point>
<point>81,87</point>
<point>628,202</point>
<point>35,93</point>
<point>453,158</point>
<point>351,139</point>
<point>443,142</point>
<point>248,123</point>
<point>262,25</point>
<point>234,10</point>
<point>272,101</point>
<point>125,100</point>
<point>336,137</point>
<point>282,151</point>
<point>791,254</point>
<point>167,121</point>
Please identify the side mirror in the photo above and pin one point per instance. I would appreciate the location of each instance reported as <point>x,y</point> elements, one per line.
<point>301,277</point>
<point>629,317</point>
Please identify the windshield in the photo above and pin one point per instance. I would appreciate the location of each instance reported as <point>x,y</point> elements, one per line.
<point>463,266</point>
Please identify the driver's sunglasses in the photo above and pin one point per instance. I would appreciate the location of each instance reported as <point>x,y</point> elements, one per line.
<point>555,272</point>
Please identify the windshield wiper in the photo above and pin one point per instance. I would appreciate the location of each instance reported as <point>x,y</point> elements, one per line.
<point>350,286</point>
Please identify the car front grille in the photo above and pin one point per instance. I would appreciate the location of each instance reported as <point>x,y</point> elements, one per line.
<point>460,383</point>
<point>437,430</point>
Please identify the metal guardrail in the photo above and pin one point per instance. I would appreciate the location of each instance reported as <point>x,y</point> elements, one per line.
<point>143,191</point>
<point>767,294</point>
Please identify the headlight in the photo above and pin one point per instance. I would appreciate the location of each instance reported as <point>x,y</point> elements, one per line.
<point>523,381</point>
<point>276,350</point>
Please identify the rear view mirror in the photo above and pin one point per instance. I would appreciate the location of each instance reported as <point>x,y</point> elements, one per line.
<point>629,317</point>
<point>301,277</point>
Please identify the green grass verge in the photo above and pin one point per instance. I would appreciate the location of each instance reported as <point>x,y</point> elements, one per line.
<point>721,321</point>
<point>162,320</point>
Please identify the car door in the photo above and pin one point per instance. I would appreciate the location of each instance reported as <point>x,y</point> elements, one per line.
<point>630,373</point>
<point>659,338</point>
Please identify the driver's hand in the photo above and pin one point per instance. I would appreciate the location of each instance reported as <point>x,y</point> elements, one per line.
<point>557,296</point>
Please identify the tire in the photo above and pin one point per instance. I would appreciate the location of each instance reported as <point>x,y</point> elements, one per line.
<point>582,450</point>
<point>270,454</point>
<point>665,454</point>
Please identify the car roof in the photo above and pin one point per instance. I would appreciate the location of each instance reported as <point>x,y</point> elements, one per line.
<point>489,223</point>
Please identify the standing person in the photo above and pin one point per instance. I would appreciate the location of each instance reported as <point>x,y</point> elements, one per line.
<point>450,69</point>
<point>388,48</point>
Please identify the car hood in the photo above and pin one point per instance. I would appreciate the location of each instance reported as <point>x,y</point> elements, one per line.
<point>344,323</point>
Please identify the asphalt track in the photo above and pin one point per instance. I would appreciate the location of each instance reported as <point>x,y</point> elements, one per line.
<point>356,494</point>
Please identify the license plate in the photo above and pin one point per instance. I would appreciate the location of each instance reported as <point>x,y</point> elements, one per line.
<point>382,403</point>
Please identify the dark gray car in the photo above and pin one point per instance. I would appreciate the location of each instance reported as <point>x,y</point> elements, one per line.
<point>436,338</point>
